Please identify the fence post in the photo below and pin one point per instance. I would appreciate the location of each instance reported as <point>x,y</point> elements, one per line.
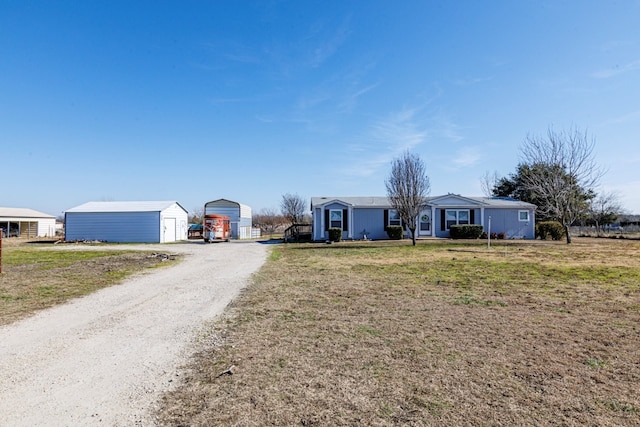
<point>1,250</point>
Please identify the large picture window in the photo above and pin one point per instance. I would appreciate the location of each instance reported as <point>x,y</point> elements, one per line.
<point>335,218</point>
<point>457,217</point>
<point>394,217</point>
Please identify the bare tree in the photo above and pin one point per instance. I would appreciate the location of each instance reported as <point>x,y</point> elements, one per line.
<point>269,220</point>
<point>605,209</point>
<point>563,173</point>
<point>407,188</point>
<point>293,208</point>
<point>488,183</point>
<point>197,215</point>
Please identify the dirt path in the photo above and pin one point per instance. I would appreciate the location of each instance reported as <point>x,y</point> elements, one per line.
<point>104,359</point>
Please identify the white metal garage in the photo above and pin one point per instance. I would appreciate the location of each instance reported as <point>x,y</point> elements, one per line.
<point>22,222</point>
<point>131,222</point>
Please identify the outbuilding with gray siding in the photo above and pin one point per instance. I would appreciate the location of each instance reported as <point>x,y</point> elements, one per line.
<point>127,222</point>
<point>239,215</point>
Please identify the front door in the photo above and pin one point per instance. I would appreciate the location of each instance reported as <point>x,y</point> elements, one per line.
<point>424,223</point>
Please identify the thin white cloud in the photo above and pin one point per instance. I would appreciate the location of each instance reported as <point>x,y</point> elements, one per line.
<point>399,131</point>
<point>205,67</point>
<point>444,127</point>
<point>351,99</point>
<point>632,117</point>
<point>471,81</point>
<point>617,70</point>
<point>309,102</point>
<point>229,100</point>
<point>265,119</point>
<point>614,45</point>
<point>467,156</point>
<point>243,58</point>
<point>328,46</point>
<point>388,139</point>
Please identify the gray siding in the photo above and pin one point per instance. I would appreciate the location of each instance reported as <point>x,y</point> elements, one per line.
<point>229,209</point>
<point>239,216</point>
<point>437,224</point>
<point>506,221</point>
<point>120,227</point>
<point>318,231</point>
<point>502,221</point>
<point>367,214</point>
<point>338,206</point>
<point>371,220</point>
<point>437,221</point>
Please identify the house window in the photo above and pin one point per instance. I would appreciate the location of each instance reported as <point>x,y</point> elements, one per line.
<point>523,216</point>
<point>335,220</point>
<point>394,217</point>
<point>457,217</point>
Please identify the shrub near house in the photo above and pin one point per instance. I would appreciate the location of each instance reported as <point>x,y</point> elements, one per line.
<point>550,229</point>
<point>395,232</point>
<point>466,231</point>
<point>335,234</point>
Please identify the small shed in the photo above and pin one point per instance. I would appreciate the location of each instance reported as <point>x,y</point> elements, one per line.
<point>127,222</point>
<point>23,222</point>
<point>239,214</point>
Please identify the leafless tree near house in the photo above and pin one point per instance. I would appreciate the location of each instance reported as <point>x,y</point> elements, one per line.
<point>407,189</point>
<point>293,207</point>
<point>563,173</point>
<point>605,209</point>
<point>488,182</point>
<point>269,220</point>
<point>197,215</point>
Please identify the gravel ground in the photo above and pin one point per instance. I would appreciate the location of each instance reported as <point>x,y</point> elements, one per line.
<point>105,359</point>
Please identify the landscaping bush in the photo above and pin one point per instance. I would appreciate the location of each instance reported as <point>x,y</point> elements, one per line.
<point>466,231</point>
<point>550,229</point>
<point>395,232</point>
<point>335,234</point>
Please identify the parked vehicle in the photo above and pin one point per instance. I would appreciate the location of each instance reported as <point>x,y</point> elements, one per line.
<point>216,227</point>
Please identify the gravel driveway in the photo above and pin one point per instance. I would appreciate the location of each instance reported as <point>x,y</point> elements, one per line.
<point>104,359</point>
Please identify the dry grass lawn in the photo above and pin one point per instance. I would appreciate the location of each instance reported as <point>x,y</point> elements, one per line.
<point>380,333</point>
<point>35,277</point>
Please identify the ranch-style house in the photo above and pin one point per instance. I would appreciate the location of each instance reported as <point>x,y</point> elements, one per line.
<point>367,218</point>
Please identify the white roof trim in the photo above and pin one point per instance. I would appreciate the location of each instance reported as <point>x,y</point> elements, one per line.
<point>13,213</point>
<point>141,206</point>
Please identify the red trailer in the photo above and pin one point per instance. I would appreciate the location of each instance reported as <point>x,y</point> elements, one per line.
<point>216,227</point>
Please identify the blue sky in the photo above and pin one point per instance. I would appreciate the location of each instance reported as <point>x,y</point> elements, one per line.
<point>198,100</point>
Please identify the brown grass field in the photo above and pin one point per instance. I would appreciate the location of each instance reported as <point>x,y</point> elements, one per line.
<point>35,276</point>
<point>445,333</point>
